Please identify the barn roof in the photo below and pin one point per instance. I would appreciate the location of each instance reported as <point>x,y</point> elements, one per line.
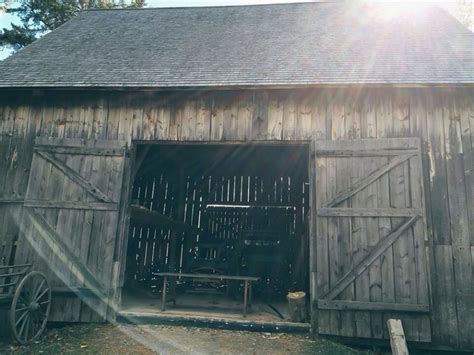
<point>255,45</point>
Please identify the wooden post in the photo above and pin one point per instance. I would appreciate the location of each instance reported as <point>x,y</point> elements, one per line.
<point>178,215</point>
<point>245,297</point>
<point>163,295</point>
<point>397,337</point>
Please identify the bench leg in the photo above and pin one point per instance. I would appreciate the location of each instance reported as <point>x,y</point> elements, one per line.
<point>163,295</point>
<point>250,294</point>
<point>245,297</point>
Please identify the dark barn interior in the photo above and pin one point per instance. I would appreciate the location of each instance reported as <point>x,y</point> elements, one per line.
<point>237,210</point>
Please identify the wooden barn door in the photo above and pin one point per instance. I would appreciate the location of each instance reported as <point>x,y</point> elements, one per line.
<point>70,223</point>
<point>368,239</point>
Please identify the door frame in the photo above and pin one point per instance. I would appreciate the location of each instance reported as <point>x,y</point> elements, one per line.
<point>123,232</point>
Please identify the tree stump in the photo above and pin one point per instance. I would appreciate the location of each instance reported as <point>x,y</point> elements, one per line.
<point>297,306</point>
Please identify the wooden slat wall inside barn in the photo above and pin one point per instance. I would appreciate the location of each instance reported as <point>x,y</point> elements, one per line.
<point>442,118</point>
<point>208,201</point>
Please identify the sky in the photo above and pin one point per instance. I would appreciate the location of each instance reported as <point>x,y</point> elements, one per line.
<point>6,19</point>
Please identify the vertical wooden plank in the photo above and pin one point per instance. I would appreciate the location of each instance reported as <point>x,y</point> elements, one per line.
<point>368,129</point>
<point>467,131</point>
<point>137,123</point>
<point>336,113</point>
<point>176,116</point>
<point>304,117</point>
<point>444,308</point>
<point>87,119</point>
<point>319,123</point>
<point>217,120</point>
<point>403,248</point>
<point>458,213</point>
<point>318,256</point>
<point>260,116</point>
<point>230,120</point>
<point>333,245</point>
<point>150,118</point>
<point>203,120</point>
<point>126,122</point>
<point>345,245</point>
<point>422,244</point>
<point>162,117</point>
<point>99,120</point>
<point>275,119</point>
<point>419,240</point>
<point>289,117</point>
<point>246,110</point>
<point>359,229</point>
<point>188,128</point>
<point>368,118</point>
<point>383,115</point>
<point>68,225</point>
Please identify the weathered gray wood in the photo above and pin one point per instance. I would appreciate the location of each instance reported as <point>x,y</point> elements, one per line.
<point>75,205</point>
<point>70,173</point>
<point>86,227</point>
<point>80,150</point>
<point>365,153</point>
<point>373,306</point>
<point>91,116</point>
<point>61,251</point>
<point>364,182</point>
<point>11,201</point>
<point>444,303</point>
<point>369,212</point>
<point>398,342</point>
<point>459,216</point>
<point>371,256</point>
<point>420,240</point>
<point>386,144</point>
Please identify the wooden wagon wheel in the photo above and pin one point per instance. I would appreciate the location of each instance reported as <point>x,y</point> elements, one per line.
<point>30,307</point>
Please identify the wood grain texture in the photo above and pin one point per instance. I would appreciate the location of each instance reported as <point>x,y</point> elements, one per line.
<point>442,118</point>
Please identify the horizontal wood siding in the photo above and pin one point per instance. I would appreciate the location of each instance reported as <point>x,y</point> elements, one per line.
<point>442,118</point>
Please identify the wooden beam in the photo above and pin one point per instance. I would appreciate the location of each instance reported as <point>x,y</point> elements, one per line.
<point>81,150</point>
<point>73,205</point>
<point>373,306</point>
<point>74,176</point>
<point>398,342</point>
<point>363,153</point>
<point>369,259</point>
<point>369,212</point>
<point>7,201</point>
<point>363,183</point>
<point>81,292</point>
<point>142,215</point>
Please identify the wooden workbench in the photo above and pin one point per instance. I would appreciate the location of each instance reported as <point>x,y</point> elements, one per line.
<point>247,284</point>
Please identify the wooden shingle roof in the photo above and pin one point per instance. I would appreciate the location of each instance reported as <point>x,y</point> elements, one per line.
<point>256,45</point>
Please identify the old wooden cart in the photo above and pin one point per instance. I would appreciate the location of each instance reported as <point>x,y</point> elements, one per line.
<point>27,295</point>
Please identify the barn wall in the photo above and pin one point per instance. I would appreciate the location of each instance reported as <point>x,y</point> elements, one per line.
<point>443,118</point>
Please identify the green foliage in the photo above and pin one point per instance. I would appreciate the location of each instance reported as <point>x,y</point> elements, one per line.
<point>41,16</point>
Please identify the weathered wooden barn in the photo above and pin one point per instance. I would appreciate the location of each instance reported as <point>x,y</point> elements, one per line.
<point>322,147</point>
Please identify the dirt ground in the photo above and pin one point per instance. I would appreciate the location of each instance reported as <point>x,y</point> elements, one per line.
<point>149,339</point>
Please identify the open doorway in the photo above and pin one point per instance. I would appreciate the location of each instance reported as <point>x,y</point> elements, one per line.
<point>237,210</point>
